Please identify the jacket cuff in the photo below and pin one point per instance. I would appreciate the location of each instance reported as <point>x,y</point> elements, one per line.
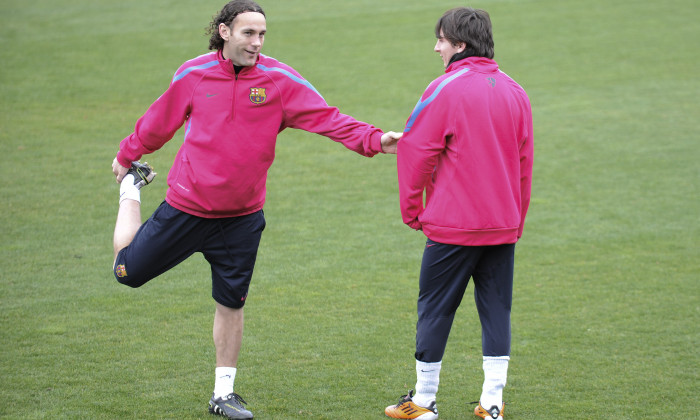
<point>122,160</point>
<point>375,142</point>
<point>415,224</point>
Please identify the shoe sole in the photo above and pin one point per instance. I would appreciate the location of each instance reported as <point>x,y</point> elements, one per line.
<point>215,410</point>
<point>424,416</point>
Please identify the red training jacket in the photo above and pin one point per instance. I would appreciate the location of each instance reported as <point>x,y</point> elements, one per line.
<point>231,126</point>
<point>469,146</point>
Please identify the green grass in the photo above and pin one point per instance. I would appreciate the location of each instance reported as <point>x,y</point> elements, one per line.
<point>606,308</point>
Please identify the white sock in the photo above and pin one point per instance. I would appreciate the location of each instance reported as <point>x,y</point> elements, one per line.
<point>127,190</point>
<point>224,381</point>
<point>495,374</point>
<point>428,379</point>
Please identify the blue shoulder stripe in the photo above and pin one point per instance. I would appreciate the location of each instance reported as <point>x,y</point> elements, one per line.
<point>422,104</point>
<point>291,76</point>
<point>186,71</point>
<point>188,127</point>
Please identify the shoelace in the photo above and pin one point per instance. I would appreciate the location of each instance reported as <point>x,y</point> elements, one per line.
<point>236,397</point>
<point>405,398</point>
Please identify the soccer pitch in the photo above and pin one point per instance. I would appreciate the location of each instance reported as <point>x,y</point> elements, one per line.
<point>606,303</point>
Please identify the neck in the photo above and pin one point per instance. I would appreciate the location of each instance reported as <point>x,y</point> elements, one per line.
<point>461,56</point>
<point>236,67</point>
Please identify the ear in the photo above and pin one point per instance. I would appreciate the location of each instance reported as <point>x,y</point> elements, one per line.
<point>461,47</point>
<point>224,31</point>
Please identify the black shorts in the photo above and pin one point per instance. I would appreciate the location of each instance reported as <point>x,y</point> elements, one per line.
<point>170,236</point>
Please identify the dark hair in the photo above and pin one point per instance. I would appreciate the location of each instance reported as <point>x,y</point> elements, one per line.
<point>471,26</point>
<point>226,16</point>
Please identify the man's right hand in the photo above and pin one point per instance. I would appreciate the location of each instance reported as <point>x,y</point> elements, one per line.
<point>389,141</point>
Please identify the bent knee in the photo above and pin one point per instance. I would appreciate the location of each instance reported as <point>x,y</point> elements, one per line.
<point>125,278</point>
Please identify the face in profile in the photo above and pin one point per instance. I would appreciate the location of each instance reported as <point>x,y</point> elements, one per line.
<point>446,49</point>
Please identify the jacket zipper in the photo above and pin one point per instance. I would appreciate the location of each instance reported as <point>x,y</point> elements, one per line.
<point>233,97</point>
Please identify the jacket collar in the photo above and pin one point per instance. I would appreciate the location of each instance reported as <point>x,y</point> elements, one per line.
<point>480,64</point>
<point>227,65</point>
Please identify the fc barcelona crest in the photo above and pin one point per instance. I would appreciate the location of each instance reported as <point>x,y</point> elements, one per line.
<point>120,270</point>
<point>257,95</point>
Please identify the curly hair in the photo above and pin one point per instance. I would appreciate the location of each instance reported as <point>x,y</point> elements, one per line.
<point>226,16</point>
<point>471,26</point>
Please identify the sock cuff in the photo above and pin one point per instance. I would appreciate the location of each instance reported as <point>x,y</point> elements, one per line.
<point>223,384</point>
<point>428,365</point>
<point>495,372</point>
<point>498,365</point>
<point>496,358</point>
<point>128,191</point>
<point>223,371</point>
<point>427,382</point>
<point>428,373</point>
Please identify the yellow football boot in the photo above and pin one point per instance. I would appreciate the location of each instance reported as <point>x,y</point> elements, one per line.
<point>491,413</point>
<point>407,409</point>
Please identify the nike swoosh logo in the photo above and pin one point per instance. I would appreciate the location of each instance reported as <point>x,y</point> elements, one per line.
<point>209,95</point>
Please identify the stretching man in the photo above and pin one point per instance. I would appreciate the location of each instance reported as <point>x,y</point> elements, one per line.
<point>233,102</point>
<point>469,146</point>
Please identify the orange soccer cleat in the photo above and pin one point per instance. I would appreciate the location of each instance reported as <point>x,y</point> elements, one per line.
<point>407,409</point>
<point>491,413</point>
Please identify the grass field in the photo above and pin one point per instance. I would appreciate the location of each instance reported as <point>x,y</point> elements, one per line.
<point>606,308</point>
